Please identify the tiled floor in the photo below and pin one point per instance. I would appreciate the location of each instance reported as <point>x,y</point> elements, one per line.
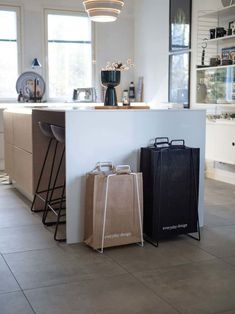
<point>182,275</point>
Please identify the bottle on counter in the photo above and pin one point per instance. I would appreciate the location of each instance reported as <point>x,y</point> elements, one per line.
<point>132,92</point>
<point>20,97</point>
<point>125,98</point>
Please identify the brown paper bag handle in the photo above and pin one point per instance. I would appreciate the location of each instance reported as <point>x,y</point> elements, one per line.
<point>122,169</point>
<point>106,164</point>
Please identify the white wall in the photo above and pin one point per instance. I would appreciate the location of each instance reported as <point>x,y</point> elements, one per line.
<point>114,41</point>
<point>151,47</point>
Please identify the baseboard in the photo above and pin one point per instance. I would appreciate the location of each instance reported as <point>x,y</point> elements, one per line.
<point>22,191</point>
<point>221,175</point>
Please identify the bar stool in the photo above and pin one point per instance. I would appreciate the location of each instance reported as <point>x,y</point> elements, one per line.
<point>59,135</point>
<point>43,195</point>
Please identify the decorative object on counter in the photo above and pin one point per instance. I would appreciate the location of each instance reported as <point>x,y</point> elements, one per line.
<point>20,97</point>
<point>140,89</point>
<point>103,10</point>
<point>111,76</point>
<point>110,79</point>
<point>114,207</point>
<point>125,98</point>
<point>132,92</point>
<point>84,95</point>
<point>31,85</point>
<point>36,64</point>
<point>227,3</point>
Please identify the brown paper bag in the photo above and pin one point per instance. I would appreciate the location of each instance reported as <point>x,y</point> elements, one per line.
<point>123,213</point>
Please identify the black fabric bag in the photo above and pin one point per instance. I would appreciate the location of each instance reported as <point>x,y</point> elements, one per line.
<point>170,183</point>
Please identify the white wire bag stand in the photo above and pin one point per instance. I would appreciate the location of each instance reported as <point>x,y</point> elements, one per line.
<point>119,170</point>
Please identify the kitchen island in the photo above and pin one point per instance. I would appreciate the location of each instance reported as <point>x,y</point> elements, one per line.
<point>111,135</point>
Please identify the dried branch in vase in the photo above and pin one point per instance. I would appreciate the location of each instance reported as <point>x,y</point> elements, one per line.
<point>119,66</point>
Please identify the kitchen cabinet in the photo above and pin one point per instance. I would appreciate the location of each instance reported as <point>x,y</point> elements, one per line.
<point>220,141</point>
<point>18,149</point>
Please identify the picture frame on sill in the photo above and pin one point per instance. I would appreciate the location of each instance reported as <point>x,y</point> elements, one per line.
<point>180,24</point>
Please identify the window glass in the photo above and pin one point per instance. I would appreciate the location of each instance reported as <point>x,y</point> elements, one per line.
<point>8,53</point>
<point>69,54</point>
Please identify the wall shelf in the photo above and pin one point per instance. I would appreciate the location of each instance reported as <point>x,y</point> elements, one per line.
<point>224,12</point>
<point>221,38</point>
<point>216,67</point>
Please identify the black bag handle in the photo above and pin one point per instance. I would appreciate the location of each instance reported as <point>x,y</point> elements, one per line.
<point>177,143</point>
<point>161,141</point>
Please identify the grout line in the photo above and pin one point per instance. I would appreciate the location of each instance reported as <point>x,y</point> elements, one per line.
<point>147,287</point>
<point>75,281</point>
<point>19,285</point>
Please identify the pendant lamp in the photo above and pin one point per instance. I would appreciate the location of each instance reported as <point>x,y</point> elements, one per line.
<point>103,10</point>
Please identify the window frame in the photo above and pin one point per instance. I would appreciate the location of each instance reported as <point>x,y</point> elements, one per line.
<point>17,10</point>
<point>48,11</point>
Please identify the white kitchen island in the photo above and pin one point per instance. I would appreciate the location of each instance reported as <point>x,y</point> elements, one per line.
<point>117,136</point>
<point>110,135</point>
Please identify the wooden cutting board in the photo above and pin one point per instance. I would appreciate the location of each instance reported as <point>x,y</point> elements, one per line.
<point>121,107</point>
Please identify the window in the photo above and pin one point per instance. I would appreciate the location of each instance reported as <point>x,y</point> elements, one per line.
<point>8,52</point>
<point>179,54</point>
<point>69,53</point>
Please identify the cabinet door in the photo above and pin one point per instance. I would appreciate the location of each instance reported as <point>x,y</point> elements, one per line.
<point>224,150</point>
<point>9,167</point>
<point>210,141</point>
<point>8,127</point>
<point>1,120</point>
<point>23,170</point>
<point>22,130</point>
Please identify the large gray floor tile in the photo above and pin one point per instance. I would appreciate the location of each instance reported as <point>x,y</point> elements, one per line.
<point>168,253</point>
<point>55,266</point>
<point>116,295</point>
<point>216,241</point>
<point>205,287</point>
<point>7,281</point>
<point>230,260</point>
<point>213,220</point>
<point>14,303</point>
<point>17,216</point>
<point>25,238</point>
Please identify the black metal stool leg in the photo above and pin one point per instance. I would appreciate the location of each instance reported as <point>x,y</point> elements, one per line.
<point>59,216</point>
<point>50,198</point>
<point>40,177</point>
<point>49,185</point>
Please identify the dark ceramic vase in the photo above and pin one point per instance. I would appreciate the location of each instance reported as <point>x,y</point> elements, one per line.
<point>110,79</point>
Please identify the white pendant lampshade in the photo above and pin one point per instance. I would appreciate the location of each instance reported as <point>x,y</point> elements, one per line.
<point>103,10</point>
